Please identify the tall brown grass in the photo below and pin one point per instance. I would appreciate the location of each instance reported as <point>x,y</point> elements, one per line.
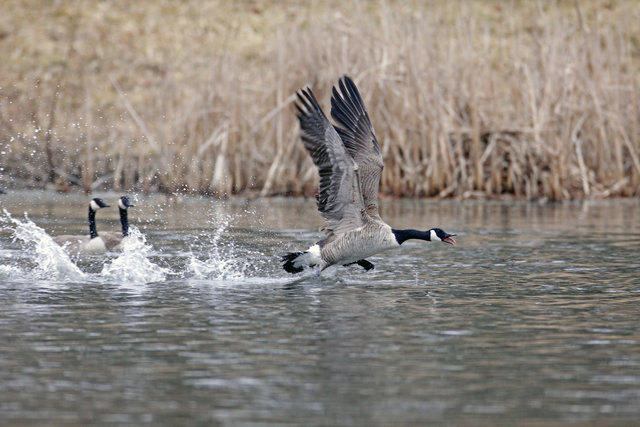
<point>530,99</point>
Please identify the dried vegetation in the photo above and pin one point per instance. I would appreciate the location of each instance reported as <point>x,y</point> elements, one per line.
<point>539,100</point>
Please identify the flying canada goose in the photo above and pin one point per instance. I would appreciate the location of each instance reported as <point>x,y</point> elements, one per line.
<point>349,161</point>
<point>91,244</point>
<point>112,239</point>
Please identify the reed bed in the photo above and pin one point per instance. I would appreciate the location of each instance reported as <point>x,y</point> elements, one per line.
<point>535,100</point>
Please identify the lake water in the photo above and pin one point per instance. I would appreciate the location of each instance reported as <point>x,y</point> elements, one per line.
<point>533,317</point>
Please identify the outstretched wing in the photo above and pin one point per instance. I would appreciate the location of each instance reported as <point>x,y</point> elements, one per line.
<point>356,132</point>
<point>339,200</point>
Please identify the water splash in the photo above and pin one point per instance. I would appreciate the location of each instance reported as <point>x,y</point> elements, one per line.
<point>215,255</point>
<point>10,272</point>
<point>133,264</point>
<point>224,261</point>
<point>51,261</point>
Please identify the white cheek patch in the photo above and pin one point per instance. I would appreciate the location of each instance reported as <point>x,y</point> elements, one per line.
<point>94,205</point>
<point>121,205</point>
<point>433,236</point>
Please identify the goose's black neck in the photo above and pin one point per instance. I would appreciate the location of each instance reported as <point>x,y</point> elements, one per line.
<point>404,235</point>
<point>124,221</point>
<point>93,232</point>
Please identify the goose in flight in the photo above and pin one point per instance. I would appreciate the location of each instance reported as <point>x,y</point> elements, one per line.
<point>83,244</point>
<point>349,161</point>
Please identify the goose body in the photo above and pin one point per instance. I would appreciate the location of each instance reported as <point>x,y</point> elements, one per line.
<point>349,161</point>
<point>113,240</point>
<point>83,244</point>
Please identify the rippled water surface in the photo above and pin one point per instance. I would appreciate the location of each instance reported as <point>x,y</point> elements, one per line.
<point>533,317</point>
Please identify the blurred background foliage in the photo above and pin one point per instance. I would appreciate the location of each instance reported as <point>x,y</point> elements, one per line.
<point>533,100</point>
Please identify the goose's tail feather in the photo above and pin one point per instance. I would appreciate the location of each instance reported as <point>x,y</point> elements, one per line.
<point>294,262</point>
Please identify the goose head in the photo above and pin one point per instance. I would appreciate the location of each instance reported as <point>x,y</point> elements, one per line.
<point>124,202</point>
<point>97,203</point>
<point>440,234</point>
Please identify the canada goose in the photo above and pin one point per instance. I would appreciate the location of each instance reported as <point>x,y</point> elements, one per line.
<point>349,161</point>
<point>113,239</point>
<point>91,244</point>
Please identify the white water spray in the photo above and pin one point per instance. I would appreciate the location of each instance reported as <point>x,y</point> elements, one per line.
<point>133,265</point>
<point>52,262</point>
<point>224,259</point>
<point>217,265</point>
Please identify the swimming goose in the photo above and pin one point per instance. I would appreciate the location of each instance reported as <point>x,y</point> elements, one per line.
<point>91,244</point>
<point>112,239</point>
<point>349,161</point>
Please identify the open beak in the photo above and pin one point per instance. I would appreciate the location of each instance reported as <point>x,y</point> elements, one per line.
<point>449,239</point>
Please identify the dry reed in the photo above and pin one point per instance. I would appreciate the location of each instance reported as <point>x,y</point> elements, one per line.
<point>539,100</point>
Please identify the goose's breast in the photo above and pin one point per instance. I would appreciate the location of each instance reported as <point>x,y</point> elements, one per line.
<point>94,246</point>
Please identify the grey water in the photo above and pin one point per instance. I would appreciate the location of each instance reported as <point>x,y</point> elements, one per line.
<point>533,317</point>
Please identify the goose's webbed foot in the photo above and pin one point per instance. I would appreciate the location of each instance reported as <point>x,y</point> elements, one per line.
<point>363,263</point>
